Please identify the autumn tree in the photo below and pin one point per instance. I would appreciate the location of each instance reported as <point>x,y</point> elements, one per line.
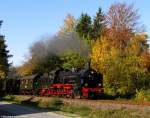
<point>122,74</point>
<point>122,53</point>
<point>26,68</point>
<point>69,25</point>
<point>121,21</point>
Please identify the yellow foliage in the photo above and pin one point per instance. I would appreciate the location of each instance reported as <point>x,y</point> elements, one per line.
<point>102,52</point>
<point>27,68</point>
<point>122,67</point>
<point>69,24</point>
<point>2,75</point>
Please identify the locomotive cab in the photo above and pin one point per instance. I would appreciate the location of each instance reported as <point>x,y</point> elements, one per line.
<point>91,84</point>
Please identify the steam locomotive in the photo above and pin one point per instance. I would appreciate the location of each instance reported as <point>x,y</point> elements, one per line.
<point>65,83</point>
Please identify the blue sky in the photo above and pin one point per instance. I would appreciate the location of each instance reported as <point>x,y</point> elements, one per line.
<point>26,21</point>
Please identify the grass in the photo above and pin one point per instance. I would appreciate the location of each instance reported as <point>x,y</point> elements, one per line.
<point>110,113</point>
<point>80,110</point>
<point>56,104</point>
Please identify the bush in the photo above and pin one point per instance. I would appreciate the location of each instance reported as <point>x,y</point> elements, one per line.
<point>142,95</point>
<point>55,104</point>
<point>9,97</point>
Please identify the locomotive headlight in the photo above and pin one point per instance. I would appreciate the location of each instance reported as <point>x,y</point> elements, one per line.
<point>99,84</point>
<point>86,84</point>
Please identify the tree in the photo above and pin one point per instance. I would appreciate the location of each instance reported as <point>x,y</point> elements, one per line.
<point>26,68</point>
<point>48,64</point>
<point>83,27</point>
<point>69,25</point>
<point>122,17</point>
<point>71,60</point>
<point>98,25</point>
<point>122,55</point>
<point>124,71</point>
<point>4,65</point>
<point>122,23</point>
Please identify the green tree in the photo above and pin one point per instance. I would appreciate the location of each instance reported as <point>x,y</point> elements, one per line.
<point>49,63</point>
<point>72,59</point>
<point>84,26</point>
<point>4,65</point>
<point>98,25</point>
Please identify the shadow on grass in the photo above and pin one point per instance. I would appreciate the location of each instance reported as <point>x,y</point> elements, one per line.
<point>29,102</point>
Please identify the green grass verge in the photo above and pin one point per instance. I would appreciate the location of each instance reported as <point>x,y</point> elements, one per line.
<point>56,104</point>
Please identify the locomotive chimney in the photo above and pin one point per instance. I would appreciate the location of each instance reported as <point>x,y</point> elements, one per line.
<point>89,64</point>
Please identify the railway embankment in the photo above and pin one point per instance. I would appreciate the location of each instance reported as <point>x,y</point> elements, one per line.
<point>86,108</point>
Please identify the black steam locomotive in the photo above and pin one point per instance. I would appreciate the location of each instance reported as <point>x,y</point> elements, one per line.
<point>84,83</point>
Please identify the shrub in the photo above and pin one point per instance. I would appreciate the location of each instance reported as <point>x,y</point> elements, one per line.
<point>55,104</point>
<point>9,97</point>
<point>142,95</point>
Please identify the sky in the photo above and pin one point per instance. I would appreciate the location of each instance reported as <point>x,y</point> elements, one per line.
<point>26,21</point>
